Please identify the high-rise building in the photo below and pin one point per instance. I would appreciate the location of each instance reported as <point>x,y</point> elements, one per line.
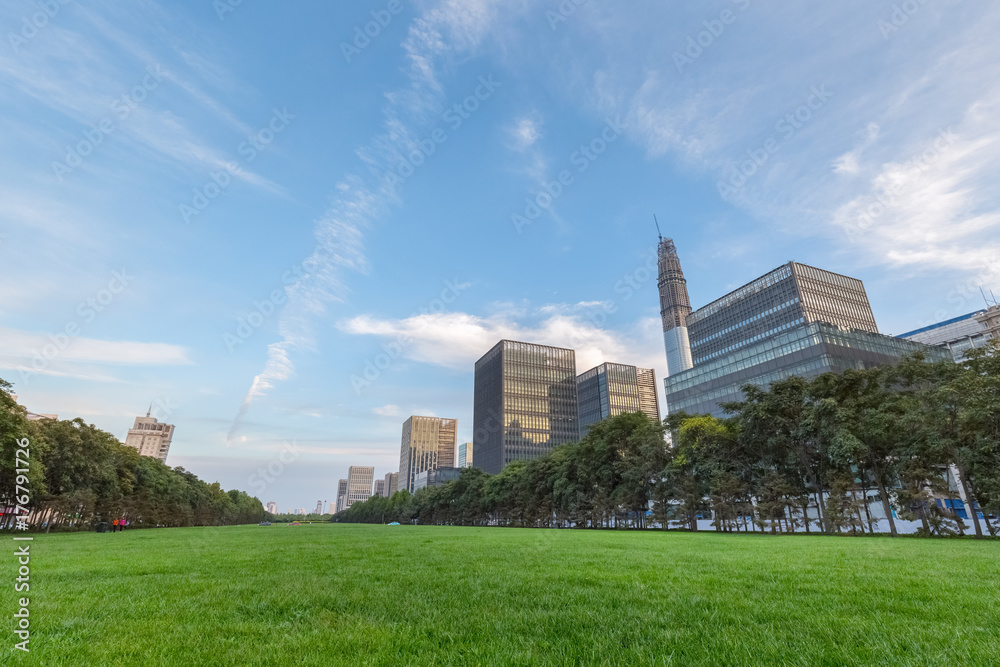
<point>379,489</point>
<point>341,495</point>
<point>675,306</point>
<point>359,484</point>
<point>525,403</point>
<point>465,455</point>
<point>391,484</point>
<point>272,507</point>
<point>428,442</point>
<point>319,507</point>
<point>960,334</point>
<point>150,437</point>
<point>611,389</point>
<point>795,320</point>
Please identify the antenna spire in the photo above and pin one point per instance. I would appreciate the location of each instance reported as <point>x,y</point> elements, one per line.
<point>150,409</point>
<point>657,227</point>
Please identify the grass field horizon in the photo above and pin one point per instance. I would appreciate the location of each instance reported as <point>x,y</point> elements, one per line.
<point>331,594</point>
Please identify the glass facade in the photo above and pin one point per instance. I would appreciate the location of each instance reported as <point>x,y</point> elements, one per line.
<point>789,296</point>
<point>957,335</point>
<point>428,442</point>
<point>675,307</point>
<point>611,389</point>
<point>806,350</point>
<point>525,403</point>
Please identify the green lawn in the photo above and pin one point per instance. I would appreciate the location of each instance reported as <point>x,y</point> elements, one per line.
<point>405,595</point>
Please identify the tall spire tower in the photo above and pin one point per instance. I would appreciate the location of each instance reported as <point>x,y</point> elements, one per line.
<point>675,306</point>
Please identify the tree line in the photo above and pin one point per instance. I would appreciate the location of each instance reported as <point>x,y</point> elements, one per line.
<point>77,475</point>
<point>812,455</point>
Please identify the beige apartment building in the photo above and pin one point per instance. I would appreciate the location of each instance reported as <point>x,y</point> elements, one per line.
<point>150,437</point>
<point>359,484</point>
<point>428,442</point>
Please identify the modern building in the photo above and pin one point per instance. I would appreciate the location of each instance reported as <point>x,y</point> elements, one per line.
<point>428,442</point>
<point>435,477</point>
<point>465,455</point>
<point>611,389</point>
<point>319,507</point>
<point>150,437</point>
<point>379,489</point>
<point>341,495</point>
<point>960,334</point>
<point>359,484</point>
<point>675,306</point>
<point>391,484</point>
<point>795,320</point>
<point>525,403</point>
<point>272,507</point>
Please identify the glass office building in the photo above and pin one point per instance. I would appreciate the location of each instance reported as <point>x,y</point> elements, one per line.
<point>960,334</point>
<point>675,307</point>
<point>795,320</point>
<point>806,350</point>
<point>525,403</point>
<point>427,442</point>
<point>611,389</point>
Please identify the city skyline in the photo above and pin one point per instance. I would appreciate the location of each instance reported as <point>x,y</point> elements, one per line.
<point>286,276</point>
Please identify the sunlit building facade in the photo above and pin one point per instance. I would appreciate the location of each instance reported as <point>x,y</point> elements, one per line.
<point>611,389</point>
<point>465,455</point>
<point>427,442</point>
<point>960,334</point>
<point>675,306</point>
<point>150,437</point>
<point>525,403</point>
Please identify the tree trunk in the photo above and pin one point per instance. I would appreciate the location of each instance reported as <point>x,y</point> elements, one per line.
<point>970,498</point>
<point>885,501</point>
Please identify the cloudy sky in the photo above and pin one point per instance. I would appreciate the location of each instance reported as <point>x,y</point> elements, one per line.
<point>296,225</point>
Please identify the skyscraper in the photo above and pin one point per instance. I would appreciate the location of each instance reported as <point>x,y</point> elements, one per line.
<point>359,484</point>
<point>525,403</point>
<point>611,389</point>
<point>341,494</point>
<point>150,437</point>
<point>675,306</point>
<point>391,484</point>
<point>427,442</point>
<point>465,455</point>
<point>379,489</point>
<point>319,507</point>
<point>272,507</point>
<point>794,320</point>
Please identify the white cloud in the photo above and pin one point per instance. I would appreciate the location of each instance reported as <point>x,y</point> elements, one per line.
<point>387,410</point>
<point>19,347</point>
<point>525,132</point>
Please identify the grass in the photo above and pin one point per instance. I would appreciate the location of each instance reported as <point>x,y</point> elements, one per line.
<point>411,595</point>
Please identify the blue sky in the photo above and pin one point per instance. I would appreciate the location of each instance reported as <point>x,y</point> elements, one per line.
<point>283,234</point>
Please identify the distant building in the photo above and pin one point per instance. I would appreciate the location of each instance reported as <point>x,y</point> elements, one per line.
<point>611,389</point>
<point>150,437</point>
<point>525,403</point>
<point>272,507</point>
<point>391,484</point>
<point>319,507</point>
<point>301,511</point>
<point>428,442</point>
<point>435,477</point>
<point>36,416</point>
<point>379,488</point>
<point>960,334</point>
<point>795,320</point>
<point>341,494</point>
<point>359,484</point>
<point>465,455</point>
